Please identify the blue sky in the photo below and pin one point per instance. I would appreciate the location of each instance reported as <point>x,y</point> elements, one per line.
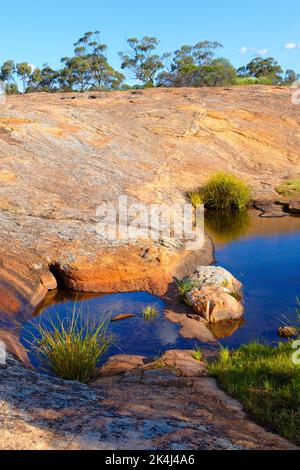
<point>41,32</point>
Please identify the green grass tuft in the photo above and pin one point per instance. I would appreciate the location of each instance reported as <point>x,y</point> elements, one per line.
<point>267,382</point>
<point>71,349</point>
<point>150,312</point>
<point>184,287</point>
<point>289,188</point>
<point>198,354</point>
<point>195,198</point>
<point>225,192</point>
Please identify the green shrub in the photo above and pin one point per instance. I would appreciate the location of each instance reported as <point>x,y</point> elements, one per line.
<point>253,81</point>
<point>71,349</point>
<point>225,192</point>
<point>266,381</point>
<point>289,188</point>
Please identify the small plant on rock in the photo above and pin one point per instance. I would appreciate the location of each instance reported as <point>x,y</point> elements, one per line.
<point>197,355</point>
<point>184,287</point>
<point>237,295</point>
<point>289,188</point>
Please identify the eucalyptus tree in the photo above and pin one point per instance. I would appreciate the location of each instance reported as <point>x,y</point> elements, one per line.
<point>44,79</point>
<point>261,67</point>
<point>189,65</point>
<point>89,68</point>
<point>141,60</point>
<point>24,71</point>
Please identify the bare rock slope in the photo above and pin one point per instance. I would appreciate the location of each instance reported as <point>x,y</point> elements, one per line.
<point>142,408</point>
<point>61,156</point>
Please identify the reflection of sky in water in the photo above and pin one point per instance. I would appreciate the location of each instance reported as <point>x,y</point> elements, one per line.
<point>136,336</point>
<point>267,260</point>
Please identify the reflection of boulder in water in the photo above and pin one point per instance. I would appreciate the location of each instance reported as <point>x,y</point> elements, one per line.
<point>227,226</point>
<point>225,329</point>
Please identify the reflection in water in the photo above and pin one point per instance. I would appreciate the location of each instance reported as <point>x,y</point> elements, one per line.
<point>225,329</point>
<point>227,226</point>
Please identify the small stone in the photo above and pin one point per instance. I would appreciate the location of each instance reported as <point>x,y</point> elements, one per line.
<point>287,332</point>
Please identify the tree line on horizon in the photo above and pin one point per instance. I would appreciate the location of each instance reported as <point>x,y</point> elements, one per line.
<point>189,66</point>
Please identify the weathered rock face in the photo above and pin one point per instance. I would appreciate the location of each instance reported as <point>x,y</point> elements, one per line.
<point>294,207</point>
<point>215,305</point>
<point>147,408</point>
<point>62,158</point>
<point>215,276</point>
<point>216,296</point>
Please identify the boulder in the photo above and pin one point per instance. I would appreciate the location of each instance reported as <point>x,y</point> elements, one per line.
<point>216,296</point>
<point>217,277</point>
<point>215,305</point>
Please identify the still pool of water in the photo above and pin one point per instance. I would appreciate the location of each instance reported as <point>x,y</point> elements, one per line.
<point>134,336</point>
<point>264,253</point>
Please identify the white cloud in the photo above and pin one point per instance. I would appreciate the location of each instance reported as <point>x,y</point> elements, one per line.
<point>33,67</point>
<point>262,51</point>
<point>251,50</point>
<point>290,45</point>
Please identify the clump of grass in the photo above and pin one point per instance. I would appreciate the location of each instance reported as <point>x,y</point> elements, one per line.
<point>266,381</point>
<point>150,312</point>
<point>289,188</point>
<point>195,198</point>
<point>225,192</point>
<point>224,355</point>
<point>197,354</point>
<point>71,349</point>
<point>184,287</point>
